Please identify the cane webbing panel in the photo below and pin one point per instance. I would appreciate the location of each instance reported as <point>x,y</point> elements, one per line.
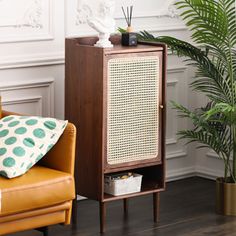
<point>132,109</point>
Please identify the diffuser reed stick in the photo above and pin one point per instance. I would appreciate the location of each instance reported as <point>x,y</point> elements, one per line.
<point>128,38</point>
<point>128,17</point>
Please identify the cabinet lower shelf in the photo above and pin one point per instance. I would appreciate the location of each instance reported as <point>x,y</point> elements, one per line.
<point>108,197</point>
<point>148,186</point>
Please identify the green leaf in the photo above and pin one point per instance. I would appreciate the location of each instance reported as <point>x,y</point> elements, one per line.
<point>213,27</point>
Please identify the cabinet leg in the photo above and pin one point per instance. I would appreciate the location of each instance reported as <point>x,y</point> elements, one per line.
<point>156,206</point>
<point>74,212</point>
<point>102,216</point>
<point>126,206</point>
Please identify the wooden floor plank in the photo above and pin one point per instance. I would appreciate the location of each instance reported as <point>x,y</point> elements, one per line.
<point>187,209</point>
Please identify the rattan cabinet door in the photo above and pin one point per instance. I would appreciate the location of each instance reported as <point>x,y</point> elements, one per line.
<point>133,109</point>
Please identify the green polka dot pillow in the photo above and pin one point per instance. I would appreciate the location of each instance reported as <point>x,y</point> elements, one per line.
<point>24,140</point>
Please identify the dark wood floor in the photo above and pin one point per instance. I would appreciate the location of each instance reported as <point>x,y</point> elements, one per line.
<point>187,209</point>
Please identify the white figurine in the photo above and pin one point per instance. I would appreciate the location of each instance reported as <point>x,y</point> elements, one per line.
<point>103,23</point>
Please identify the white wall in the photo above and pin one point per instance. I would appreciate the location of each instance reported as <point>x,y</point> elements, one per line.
<point>31,41</point>
<point>32,34</point>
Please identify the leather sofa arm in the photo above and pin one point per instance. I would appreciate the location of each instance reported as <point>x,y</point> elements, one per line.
<point>62,155</point>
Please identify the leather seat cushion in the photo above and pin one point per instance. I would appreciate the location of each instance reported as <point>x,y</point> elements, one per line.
<point>39,187</point>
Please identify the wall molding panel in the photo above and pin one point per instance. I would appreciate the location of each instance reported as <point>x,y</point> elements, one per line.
<point>29,97</point>
<point>32,60</point>
<point>171,139</point>
<point>35,101</point>
<point>164,18</point>
<point>177,69</point>
<point>28,21</point>
<point>15,85</point>
<point>31,17</point>
<point>159,29</point>
<point>179,160</point>
<point>212,154</point>
<point>176,154</point>
<point>31,33</point>
<point>166,10</point>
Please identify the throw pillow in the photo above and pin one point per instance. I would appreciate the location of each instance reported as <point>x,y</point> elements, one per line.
<point>24,140</point>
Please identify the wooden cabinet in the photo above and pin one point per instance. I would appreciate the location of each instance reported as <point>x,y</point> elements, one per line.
<point>116,98</point>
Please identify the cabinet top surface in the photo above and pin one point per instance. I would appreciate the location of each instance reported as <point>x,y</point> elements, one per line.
<point>117,47</point>
<point>138,48</point>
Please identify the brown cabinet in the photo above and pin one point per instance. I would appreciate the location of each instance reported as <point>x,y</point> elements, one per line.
<point>116,98</point>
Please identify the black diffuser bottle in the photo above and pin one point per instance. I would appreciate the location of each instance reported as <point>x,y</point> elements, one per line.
<point>128,38</point>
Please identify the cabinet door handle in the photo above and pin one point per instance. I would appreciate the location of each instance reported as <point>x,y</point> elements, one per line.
<point>161,106</point>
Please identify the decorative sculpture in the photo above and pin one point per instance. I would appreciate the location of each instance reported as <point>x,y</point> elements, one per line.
<point>103,22</point>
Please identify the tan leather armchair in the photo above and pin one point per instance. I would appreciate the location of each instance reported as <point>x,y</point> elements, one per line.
<point>43,196</point>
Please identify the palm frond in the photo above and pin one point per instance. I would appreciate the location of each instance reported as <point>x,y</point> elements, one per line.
<point>207,71</point>
<point>213,27</point>
<point>211,133</point>
<point>213,23</point>
<point>207,19</point>
<point>207,140</point>
<point>226,112</point>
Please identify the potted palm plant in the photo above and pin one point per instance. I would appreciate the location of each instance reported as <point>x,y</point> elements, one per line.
<point>213,27</point>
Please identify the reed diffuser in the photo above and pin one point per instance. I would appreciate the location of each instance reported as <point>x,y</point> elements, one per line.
<point>129,38</point>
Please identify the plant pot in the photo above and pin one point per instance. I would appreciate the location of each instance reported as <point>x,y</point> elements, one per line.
<point>225,197</point>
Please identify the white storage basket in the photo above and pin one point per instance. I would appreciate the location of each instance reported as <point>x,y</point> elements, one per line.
<point>118,187</point>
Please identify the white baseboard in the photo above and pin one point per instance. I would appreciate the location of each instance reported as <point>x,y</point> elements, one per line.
<point>180,174</point>
<point>199,171</point>
<point>208,173</point>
